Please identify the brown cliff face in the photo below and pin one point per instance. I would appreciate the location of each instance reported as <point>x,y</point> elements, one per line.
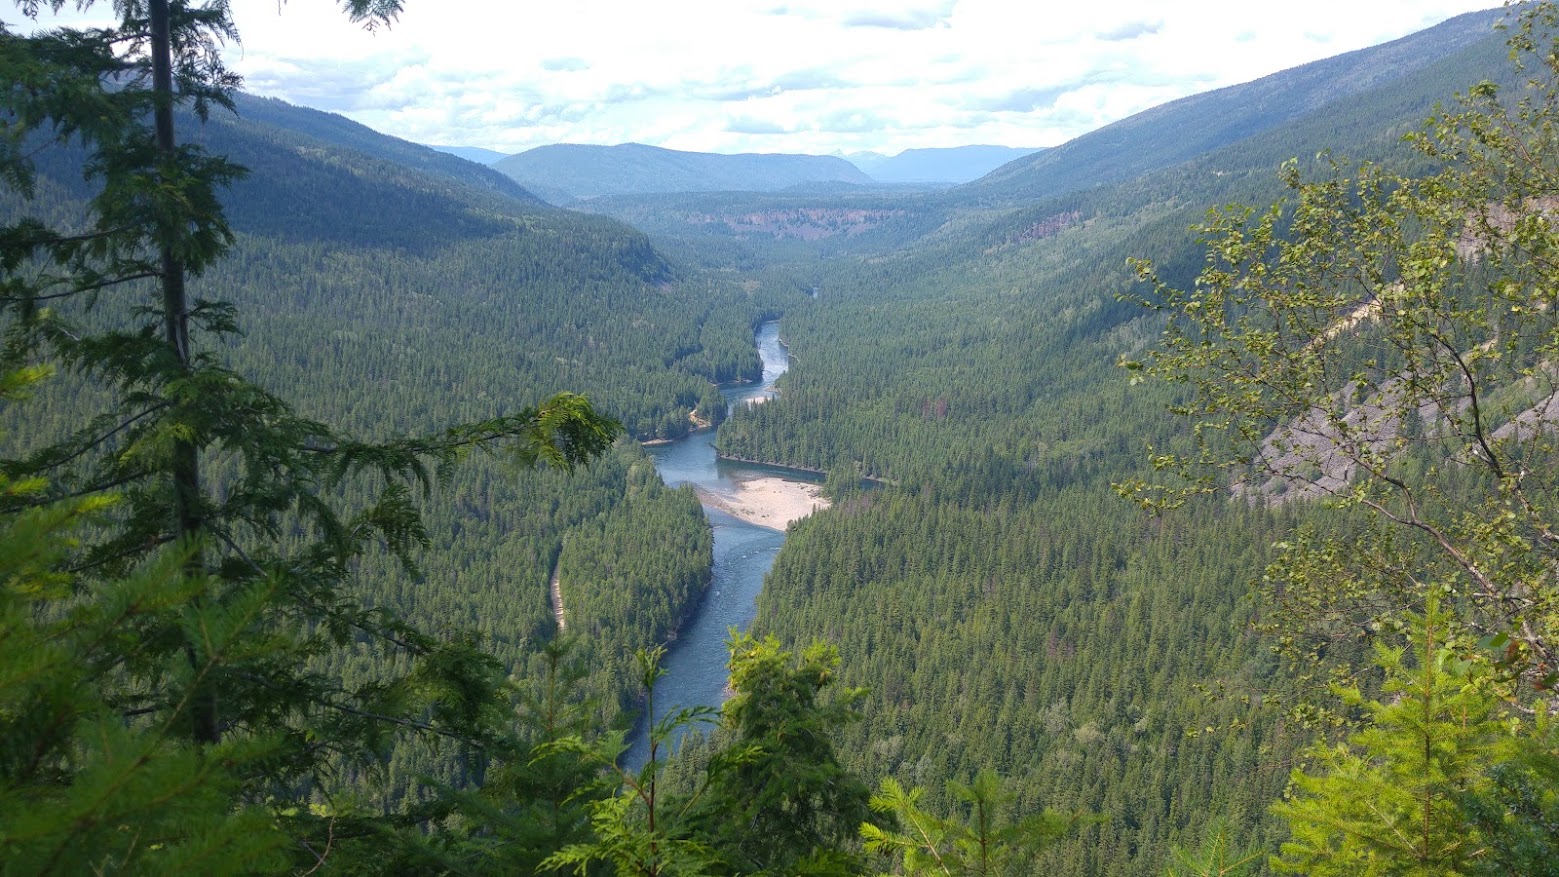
<point>805,223</point>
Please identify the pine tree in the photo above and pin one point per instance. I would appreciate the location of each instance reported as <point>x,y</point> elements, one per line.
<point>1517,812</point>
<point>640,830</point>
<point>83,787</point>
<point>208,468</point>
<point>981,842</point>
<point>1216,857</point>
<point>537,802</point>
<point>1388,800</point>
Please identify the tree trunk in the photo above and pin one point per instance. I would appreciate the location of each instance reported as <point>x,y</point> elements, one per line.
<point>175,306</point>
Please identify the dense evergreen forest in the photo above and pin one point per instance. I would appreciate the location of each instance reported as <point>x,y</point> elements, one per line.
<point>277,551</point>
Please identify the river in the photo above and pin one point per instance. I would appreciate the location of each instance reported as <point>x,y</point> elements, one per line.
<point>744,551</point>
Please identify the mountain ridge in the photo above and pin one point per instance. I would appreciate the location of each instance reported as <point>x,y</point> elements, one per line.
<point>343,132</point>
<point>471,153</point>
<point>581,171</point>
<point>1190,126</point>
<point>947,165</point>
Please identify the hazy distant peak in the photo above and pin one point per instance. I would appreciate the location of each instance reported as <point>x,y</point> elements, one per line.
<point>953,164</point>
<point>569,171</point>
<point>472,153</point>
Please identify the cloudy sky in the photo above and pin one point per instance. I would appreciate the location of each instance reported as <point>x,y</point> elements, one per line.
<point>787,75</point>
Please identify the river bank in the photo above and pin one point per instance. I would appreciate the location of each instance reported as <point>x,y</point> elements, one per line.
<point>766,500</point>
<point>748,508</point>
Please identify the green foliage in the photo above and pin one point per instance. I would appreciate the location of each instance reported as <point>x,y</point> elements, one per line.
<point>778,800</point>
<point>981,841</point>
<point>1440,780</point>
<point>83,788</point>
<point>1096,657</point>
<point>770,798</point>
<point>1389,799</point>
<point>1516,811</point>
<point>1216,857</point>
<point>535,796</point>
<point>1386,342</point>
<point>637,831</point>
<point>221,679</point>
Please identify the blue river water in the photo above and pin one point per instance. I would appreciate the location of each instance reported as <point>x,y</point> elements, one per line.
<point>744,553</point>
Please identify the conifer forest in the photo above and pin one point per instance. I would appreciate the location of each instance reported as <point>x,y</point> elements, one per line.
<point>1182,499</point>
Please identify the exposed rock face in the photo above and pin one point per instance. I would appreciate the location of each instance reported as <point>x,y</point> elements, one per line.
<point>805,223</point>
<point>1320,453</point>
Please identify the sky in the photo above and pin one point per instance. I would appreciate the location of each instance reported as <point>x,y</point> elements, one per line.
<point>812,76</point>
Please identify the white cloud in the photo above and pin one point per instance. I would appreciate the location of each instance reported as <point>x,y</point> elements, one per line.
<point>809,75</point>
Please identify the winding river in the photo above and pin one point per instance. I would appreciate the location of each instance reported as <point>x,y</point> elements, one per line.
<point>744,550</point>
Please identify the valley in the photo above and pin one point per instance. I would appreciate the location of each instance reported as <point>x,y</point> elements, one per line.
<point>748,534</point>
<point>978,514</point>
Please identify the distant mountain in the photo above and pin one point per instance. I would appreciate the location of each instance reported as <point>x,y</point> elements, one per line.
<point>955,164</point>
<point>575,171</point>
<point>1180,130</point>
<point>1377,97</point>
<point>472,153</point>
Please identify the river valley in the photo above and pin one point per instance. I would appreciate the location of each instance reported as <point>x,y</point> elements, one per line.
<point>748,506</point>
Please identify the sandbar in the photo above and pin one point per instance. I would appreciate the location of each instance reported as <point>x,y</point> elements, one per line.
<point>768,500</point>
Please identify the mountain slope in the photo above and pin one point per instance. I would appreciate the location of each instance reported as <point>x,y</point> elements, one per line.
<point>343,132</point>
<point>1188,127</point>
<point>579,171</point>
<point>955,164</point>
<point>472,153</point>
<point>1359,105</point>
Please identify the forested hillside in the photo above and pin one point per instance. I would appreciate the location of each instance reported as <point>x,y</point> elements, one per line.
<point>393,290</point>
<point>1004,607</point>
<point>396,335</point>
<point>304,624</point>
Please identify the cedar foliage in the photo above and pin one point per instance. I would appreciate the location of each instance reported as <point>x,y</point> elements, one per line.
<point>226,659</point>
